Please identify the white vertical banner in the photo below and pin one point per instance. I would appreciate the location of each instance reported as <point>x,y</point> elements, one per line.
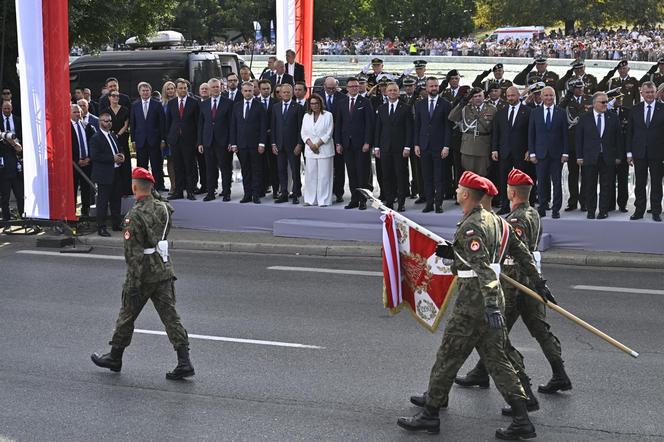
<point>285,27</point>
<point>33,107</point>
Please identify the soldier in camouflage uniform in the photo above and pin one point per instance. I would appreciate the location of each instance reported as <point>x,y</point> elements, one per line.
<point>149,277</point>
<point>629,86</point>
<point>475,119</point>
<point>477,319</point>
<point>655,73</point>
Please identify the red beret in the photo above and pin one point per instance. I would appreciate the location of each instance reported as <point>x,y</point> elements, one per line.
<point>491,188</point>
<point>519,178</point>
<point>140,173</point>
<point>473,181</point>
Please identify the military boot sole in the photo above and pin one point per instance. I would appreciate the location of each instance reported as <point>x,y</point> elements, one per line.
<point>467,383</point>
<point>179,375</point>
<point>420,401</point>
<point>553,389</point>
<point>100,362</point>
<point>533,406</point>
<point>403,423</point>
<point>509,435</point>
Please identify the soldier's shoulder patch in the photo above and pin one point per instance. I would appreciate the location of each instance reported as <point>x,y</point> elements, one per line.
<point>127,235</point>
<point>519,230</point>
<point>474,245</point>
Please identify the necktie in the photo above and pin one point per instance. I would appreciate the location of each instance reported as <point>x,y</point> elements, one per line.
<point>232,94</point>
<point>278,79</point>
<point>214,108</point>
<point>512,115</point>
<point>285,111</point>
<point>548,118</point>
<point>145,110</point>
<point>431,104</point>
<point>599,131</point>
<point>8,127</point>
<point>352,105</point>
<point>329,103</point>
<point>246,108</point>
<point>181,108</point>
<point>265,103</point>
<point>82,148</point>
<point>649,115</point>
<point>391,109</point>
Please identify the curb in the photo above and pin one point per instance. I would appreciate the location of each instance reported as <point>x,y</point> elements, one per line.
<point>559,256</point>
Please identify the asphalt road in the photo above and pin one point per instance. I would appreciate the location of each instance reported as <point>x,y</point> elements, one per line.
<point>56,310</point>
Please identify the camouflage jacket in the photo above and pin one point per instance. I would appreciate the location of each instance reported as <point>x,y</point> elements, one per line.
<point>144,226</point>
<point>527,226</point>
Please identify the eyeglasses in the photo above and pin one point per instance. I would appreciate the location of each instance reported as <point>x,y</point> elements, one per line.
<point>105,121</point>
<point>603,102</point>
<point>114,95</point>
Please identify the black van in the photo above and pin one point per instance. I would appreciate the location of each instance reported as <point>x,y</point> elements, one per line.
<point>154,66</point>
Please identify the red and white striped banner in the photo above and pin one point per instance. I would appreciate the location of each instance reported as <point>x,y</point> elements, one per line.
<point>295,30</point>
<point>43,53</point>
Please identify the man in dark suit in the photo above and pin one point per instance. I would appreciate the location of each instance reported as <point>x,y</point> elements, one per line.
<point>268,71</point>
<point>248,138</point>
<point>107,174</point>
<point>393,138</point>
<point>510,143</point>
<point>333,97</point>
<point>146,122</point>
<point>353,134</point>
<point>293,68</point>
<point>112,85</point>
<point>86,116</point>
<point>93,106</point>
<point>214,126</point>
<point>645,135</point>
<point>548,148</point>
<point>620,193</point>
<point>280,75</point>
<point>270,166</point>
<point>80,151</point>
<point>11,169</point>
<point>432,138</point>
<point>287,143</point>
<point>232,91</point>
<point>182,128</point>
<point>599,147</point>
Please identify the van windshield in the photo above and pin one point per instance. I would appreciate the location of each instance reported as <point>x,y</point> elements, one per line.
<point>202,67</point>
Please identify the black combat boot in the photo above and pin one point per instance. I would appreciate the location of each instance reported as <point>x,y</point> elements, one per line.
<point>521,427</point>
<point>112,360</point>
<point>420,401</point>
<point>426,420</point>
<point>184,368</point>
<point>559,380</point>
<point>478,376</point>
<point>531,403</point>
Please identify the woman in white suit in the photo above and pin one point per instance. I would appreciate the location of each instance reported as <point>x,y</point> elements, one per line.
<point>317,129</point>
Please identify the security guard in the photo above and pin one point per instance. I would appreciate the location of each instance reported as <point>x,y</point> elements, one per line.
<point>149,277</point>
<point>578,72</point>
<point>477,320</point>
<point>629,86</point>
<point>498,74</point>
<point>527,76</point>
<point>655,73</point>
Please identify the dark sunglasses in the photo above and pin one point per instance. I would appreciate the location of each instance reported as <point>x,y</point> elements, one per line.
<point>603,102</point>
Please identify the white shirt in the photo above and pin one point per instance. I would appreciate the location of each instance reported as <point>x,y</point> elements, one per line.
<point>546,109</point>
<point>454,91</point>
<point>516,111</point>
<point>435,102</point>
<point>291,69</point>
<point>595,113</point>
<point>182,102</point>
<point>12,127</point>
<point>77,125</point>
<point>112,143</point>
<point>231,94</point>
<point>645,110</point>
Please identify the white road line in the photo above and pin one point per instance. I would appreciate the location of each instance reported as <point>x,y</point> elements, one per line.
<point>70,255</point>
<point>238,340</point>
<point>323,270</point>
<point>599,288</point>
<point>4,244</point>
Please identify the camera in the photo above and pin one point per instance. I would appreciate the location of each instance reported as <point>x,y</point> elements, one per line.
<point>7,136</point>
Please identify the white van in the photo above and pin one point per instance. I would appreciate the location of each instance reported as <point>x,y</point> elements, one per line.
<point>520,32</point>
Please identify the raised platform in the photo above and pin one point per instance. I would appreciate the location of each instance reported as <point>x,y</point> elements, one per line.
<point>572,230</point>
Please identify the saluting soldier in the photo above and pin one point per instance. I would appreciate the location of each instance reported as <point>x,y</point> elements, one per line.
<point>149,276</point>
<point>411,96</point>
<point>629,86</point>
<point>575,103</point>
<point>655,73</point>
<point>533,94</point>
<point>452,92</point>
<point>578,72</point>
<point>377,70</point>
<point>540,74</point>
<point>475,118</point>
<point>498,74</point>
<point>622,169</point>
<point>477,320</point>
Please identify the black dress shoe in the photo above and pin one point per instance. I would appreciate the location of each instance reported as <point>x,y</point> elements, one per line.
<point>420,200</point>
<point>401,208</point>
<point>340,199</point>
<point>439,209</point>
<point>503,211</point>
<point>555,214</point>
<point>200,191</point>
<point>428,208</point>
<point>623,209</point>
<point>636,216</point>
<point>602,215</point>
<point>256,200</point>
<point>226,198</point>
<point>103,232</point>
<point>295,200</point>
<point>389,205</point>
<point>656,217</point>
<point>245,199</point>
<point>583,208</point>
<point>291,195</point>
<point>363,205</point>
<point>590,215</point>
<point>570,207</point>
<point>190,196</point>
<point>352,205</point>
<point>649,211</point>
<point>281,199</point>
<point>176,196</point>
<point>209,197</point>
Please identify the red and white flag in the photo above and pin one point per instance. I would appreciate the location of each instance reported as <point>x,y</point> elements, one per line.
<point>413,275</point>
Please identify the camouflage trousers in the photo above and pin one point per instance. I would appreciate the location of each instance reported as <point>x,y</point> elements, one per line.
<point>162,295</point>
<point>455,349</point>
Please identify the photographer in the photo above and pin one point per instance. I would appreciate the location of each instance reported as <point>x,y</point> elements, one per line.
<point>11,167</point>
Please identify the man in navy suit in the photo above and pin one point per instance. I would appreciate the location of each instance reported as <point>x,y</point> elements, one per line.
<point>248,138</point>
<point>280,75</point>
<point>599,147</point>
<point>293,68</point>
<point>287,143</point>
<point>86,116</point>
<point>645,136</point>
<point>270,166</point>
<point>146,123</point>
<point>333,97</point>
<point>107,173</point>
<point>80,152</point>
<point>182,123</point>
<point>510,143</point>
<point>353,134</point>
<point>432,137</point>
<point>214,126</point>
<point>548,149</point>
<point>11,173</point>
<point>232,91</point>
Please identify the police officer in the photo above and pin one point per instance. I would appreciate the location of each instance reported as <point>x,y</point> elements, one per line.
<point>527,76</point>
<point>578,72</point>
<point>477,320</point>
<point>629,86</point>
<point>655,73</point>
<point>149,277</point>
<point>498,78</point>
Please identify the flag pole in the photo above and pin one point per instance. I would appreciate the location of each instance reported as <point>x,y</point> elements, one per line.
<point>377,204</point>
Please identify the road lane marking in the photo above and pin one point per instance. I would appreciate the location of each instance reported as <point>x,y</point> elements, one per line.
<point>237,340</point>
<point>2,245</point>
<point>70,255</point>
<point>599,288</point>
<point>323,270</point>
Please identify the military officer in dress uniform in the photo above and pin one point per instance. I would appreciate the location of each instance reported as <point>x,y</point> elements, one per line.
<point>575,103</point>
<point>629,86</point>
<point>655,73</point>
<point>475,117</point>
<point>378,98</point>
<point>410,97</point>
<point>452,91</point>
<point>377,70</point>
<point>498,74</point>
<point>622,169</point>
<point>532,95</point>
<point>578,72</point>
<point>541,74</point>
<point>420,73</point>
<point>149,276</point>
<point>494,95</point>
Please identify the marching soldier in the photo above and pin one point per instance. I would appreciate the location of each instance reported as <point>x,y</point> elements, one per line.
<point>575,103</point>
<point>655,73</point>
<point>629,86</point>
<point>475,118</point>
<point>622,169</point>
<point>578,72</point>
<point>498,73</point>
<point>452,92</point>
<point>410,97</point>
<point>149,277</point>
<point>477,320</point>
<point>541,74</point>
